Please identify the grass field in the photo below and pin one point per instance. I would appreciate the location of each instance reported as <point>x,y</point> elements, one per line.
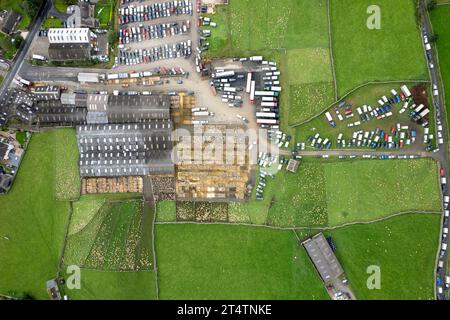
<point>393,52</point>
<point>68,181</point>
<point>100,285</point>
<point>333,192</point>
<point>166,211</point>
<point>439,18</point>
<point>403,247</point>
<point>9,50</point>
<point>33,222</point>
<point>110,234</point>
<point>233,262</point>
<point>366,190</point>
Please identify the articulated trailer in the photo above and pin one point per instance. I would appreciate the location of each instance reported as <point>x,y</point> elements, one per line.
<point>266,94</point>
<point>271,115</point>
<point>267,121</point>
<point>330,119</point>
<point>224,74</point>
<point>252,91</point>
<point>249,82</point>
<point>269,99</point>
<point>269,104</point>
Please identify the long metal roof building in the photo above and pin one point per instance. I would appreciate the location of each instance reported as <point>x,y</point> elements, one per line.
<point>323,258</point>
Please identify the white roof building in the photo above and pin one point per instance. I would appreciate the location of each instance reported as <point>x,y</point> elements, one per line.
<point>69,35</point>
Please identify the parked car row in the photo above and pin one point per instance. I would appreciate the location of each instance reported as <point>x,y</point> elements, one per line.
<point>158,31</point>
<point>133,57</point>
<point>142,13</point>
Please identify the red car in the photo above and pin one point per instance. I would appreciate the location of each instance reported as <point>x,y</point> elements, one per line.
<point>442,172</point>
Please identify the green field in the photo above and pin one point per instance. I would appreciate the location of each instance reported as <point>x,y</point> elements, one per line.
<point>33,223</point>
<point>110,234</point>
<point>166,211</point>
<point>393,52</point>
<point>68,181</point>
<point>333,192</point>
<point>403,247</point>
<point>367,95</point>
<point>439,18</point>
<point>233,262</point>
<point>100,285</point>
<point>366,190</point>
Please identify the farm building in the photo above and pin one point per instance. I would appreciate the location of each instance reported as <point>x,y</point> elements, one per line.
<point>111,150</point>
<point>293,165</point>
<point>82,15</point>
<point>53,112</point>
<point>323,258</point>
<point>129,109</point>
<point>69,51</point>
<point>48,92</point>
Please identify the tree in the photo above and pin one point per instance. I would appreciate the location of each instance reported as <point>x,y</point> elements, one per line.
<point>431,4</point>
<point>434,38</point>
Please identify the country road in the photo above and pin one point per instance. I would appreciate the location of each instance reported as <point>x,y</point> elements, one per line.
<point>23,50</point>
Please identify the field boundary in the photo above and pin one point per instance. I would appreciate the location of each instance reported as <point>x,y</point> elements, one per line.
<point>303,228</point>
<point>330,45</point>
<point>155,262</point>
<point>375,82</point>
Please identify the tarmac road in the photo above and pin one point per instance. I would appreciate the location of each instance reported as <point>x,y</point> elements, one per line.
<point>439,103</point>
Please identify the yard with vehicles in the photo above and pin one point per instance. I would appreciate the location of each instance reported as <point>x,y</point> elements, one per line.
<point>233,262</point>
<point>439,18</point>
<point>110,234</point>
<point>369,96</point>
<point>33,222</point>
<point>392,52</point>
<point>403,247</point>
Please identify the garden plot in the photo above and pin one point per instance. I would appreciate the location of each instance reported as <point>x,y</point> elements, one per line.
<point>394,52</point>
<point>116,238</point>
<point>34,222</point>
